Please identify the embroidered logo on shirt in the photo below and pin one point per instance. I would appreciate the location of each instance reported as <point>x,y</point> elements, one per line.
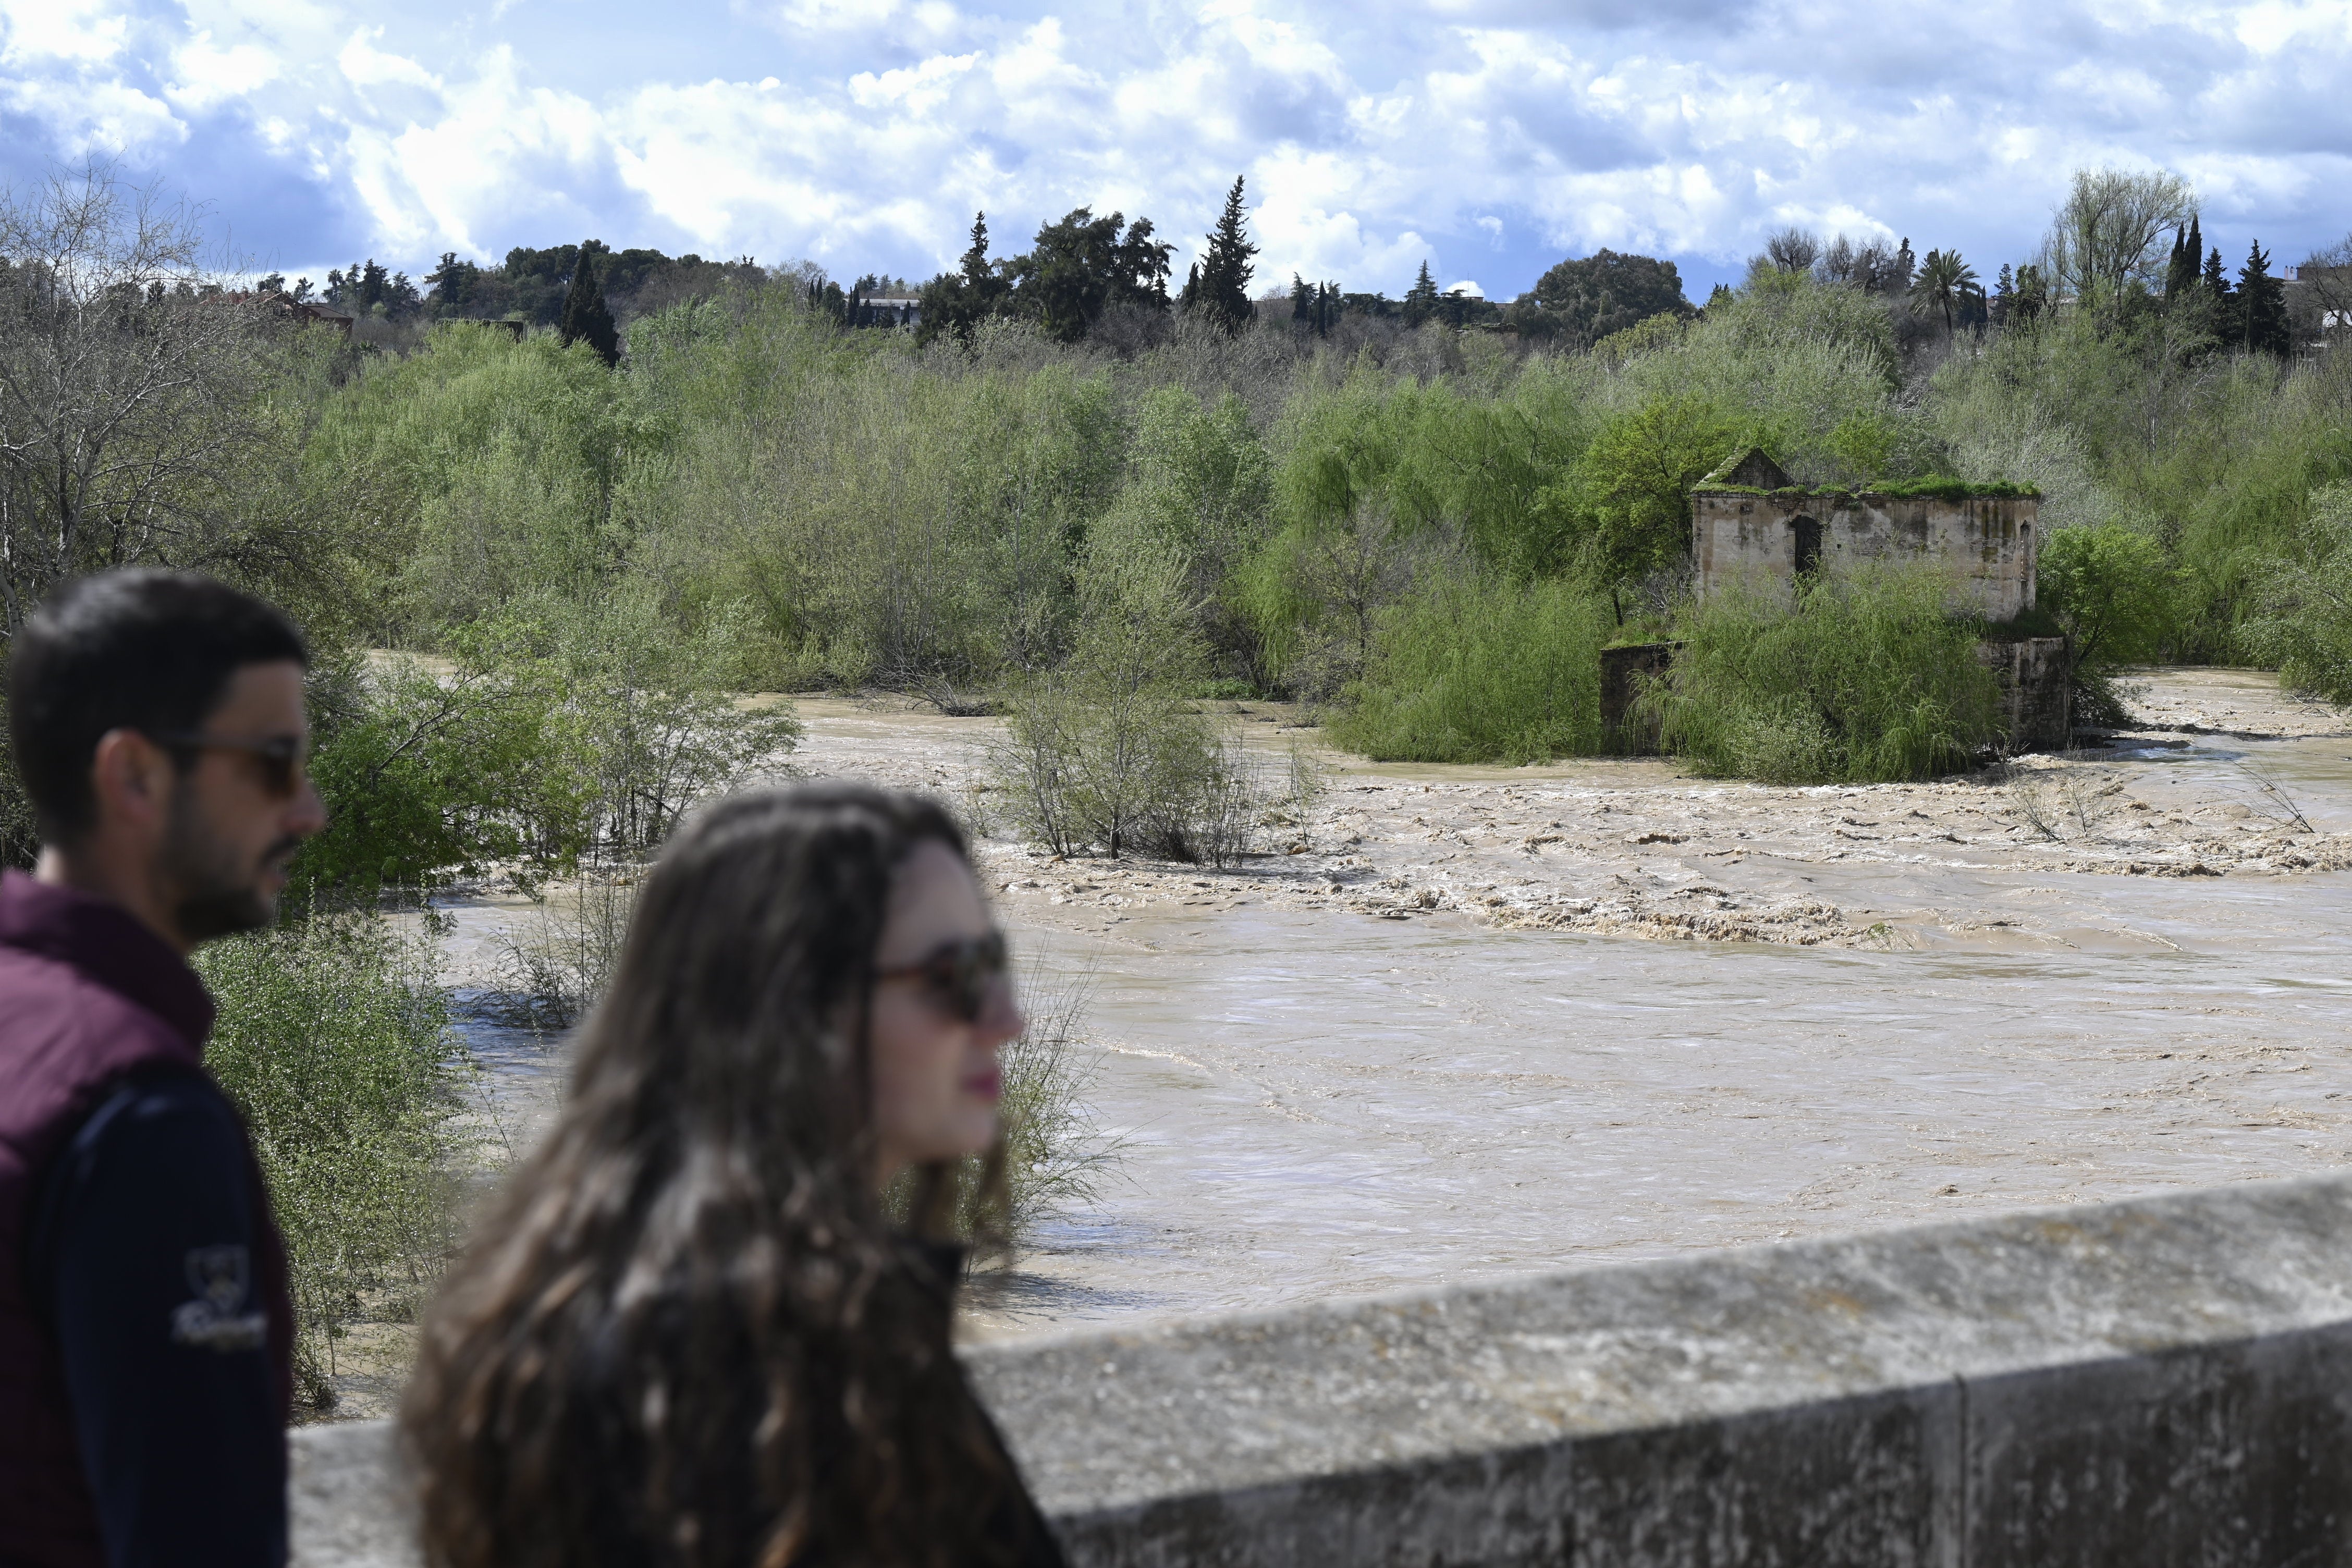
<point>220,1276</point>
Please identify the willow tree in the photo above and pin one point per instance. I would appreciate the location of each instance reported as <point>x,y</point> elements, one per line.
<point>2109,231</point>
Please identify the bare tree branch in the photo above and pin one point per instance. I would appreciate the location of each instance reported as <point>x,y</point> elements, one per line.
<point>131,387</point>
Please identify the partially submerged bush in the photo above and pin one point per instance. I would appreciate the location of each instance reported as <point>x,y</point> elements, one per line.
<point>565,728</point>
<point>432,771</point>
<point>1108,752</point>
<point>1865,678</point>
<point>334,1042</point>
<point>1054,1158</point>
<point>2115,595</point>
<point>1147,774</point>
<point>563,954</point>
<point>1479,670</point>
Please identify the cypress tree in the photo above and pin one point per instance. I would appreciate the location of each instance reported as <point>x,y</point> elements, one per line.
<point>2262,305</point>
<point>1302,303</point>
<point>2217,278</point>
<point>2180,276</point>
<point>585,317</point>
<point>1219,285</point>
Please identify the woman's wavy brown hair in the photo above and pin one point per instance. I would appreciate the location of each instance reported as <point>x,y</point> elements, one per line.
<point>686,1333</point>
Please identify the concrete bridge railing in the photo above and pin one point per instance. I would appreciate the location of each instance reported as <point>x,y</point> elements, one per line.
<point>2165,1381</point>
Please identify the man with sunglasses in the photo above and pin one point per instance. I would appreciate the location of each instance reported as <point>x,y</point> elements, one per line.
<point>145,1333</point>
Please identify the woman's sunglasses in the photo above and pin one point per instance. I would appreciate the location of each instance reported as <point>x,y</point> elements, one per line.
<point>283,758</point>
<point>960,975</point>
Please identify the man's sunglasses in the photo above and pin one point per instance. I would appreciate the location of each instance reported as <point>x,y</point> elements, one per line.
<point>283,758</point>
<point>960,975</point>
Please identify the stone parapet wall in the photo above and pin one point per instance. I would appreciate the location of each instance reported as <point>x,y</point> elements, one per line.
<point>2166,1381</point>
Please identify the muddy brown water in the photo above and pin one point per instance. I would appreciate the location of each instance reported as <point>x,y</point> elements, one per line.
<point>1329,1100</point>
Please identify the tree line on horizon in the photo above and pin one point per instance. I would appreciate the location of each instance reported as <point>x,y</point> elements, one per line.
<point>1086,274</point>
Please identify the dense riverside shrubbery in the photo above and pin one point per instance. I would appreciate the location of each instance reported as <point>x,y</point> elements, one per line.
<point>1471,671</point>
<point>333,1041</point>
<point>1406,533</point>
<point>2304,623</point>
<point>1867,679</point>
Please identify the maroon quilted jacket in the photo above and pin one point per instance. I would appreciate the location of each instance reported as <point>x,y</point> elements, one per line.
<point>86,994</point>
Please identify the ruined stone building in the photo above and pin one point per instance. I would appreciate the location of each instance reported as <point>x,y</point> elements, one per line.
<point>1750,522</point>
<point>1752,525</point>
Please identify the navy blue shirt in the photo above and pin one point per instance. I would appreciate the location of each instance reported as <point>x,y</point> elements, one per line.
<point>141,1254</point>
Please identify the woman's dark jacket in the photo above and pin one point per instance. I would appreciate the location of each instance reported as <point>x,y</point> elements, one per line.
<point>618,1530</point>
<point>1020,1532</point>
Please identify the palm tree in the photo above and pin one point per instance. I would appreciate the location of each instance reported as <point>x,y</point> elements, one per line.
<point>1947,283</point>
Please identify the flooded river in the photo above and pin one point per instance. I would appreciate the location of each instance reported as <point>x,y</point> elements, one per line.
<point>1441,1038</point>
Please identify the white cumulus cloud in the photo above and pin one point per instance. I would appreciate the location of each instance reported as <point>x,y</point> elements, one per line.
<point>1493,136</point>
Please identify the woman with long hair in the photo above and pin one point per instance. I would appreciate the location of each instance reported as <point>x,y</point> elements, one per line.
<point>687,1333</point>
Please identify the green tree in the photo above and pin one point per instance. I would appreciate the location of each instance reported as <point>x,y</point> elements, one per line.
<point>2112,590</point>
<point>2032,294</point>
<point>1586,298</point>
<point>146,418</point>
<point>2261,306</point>
<point>1105,753</point>
<point>1219,285</point>
<point>452,285</point>
<point>1476,669</point>
<point>334,1042</point>
<point>585,317</point>
<point>428,774</point>
<point>2303,622</point>
<point>2108,230</point>
<point>1083,266</point>
<point>956,302</point>
<point>2180,272</point>
<point>1632,486</point>
<point>1947,284</point>
<point>2217,278</point>
<point>1862,677</point>
<point>1421,300</point>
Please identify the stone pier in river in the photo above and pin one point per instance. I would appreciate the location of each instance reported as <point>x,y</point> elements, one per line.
<point>2163,1381</point>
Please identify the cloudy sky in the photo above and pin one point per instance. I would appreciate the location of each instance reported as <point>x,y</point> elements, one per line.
<point>1490,137</point>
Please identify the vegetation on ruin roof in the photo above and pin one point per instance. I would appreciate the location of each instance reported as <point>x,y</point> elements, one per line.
<point>1943,486</point>
<point>1937,487</point>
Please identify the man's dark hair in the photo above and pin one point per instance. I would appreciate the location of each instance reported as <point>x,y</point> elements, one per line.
<point>137,649</point>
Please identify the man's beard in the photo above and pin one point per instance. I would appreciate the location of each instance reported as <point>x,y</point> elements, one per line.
<point>214,896</point>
